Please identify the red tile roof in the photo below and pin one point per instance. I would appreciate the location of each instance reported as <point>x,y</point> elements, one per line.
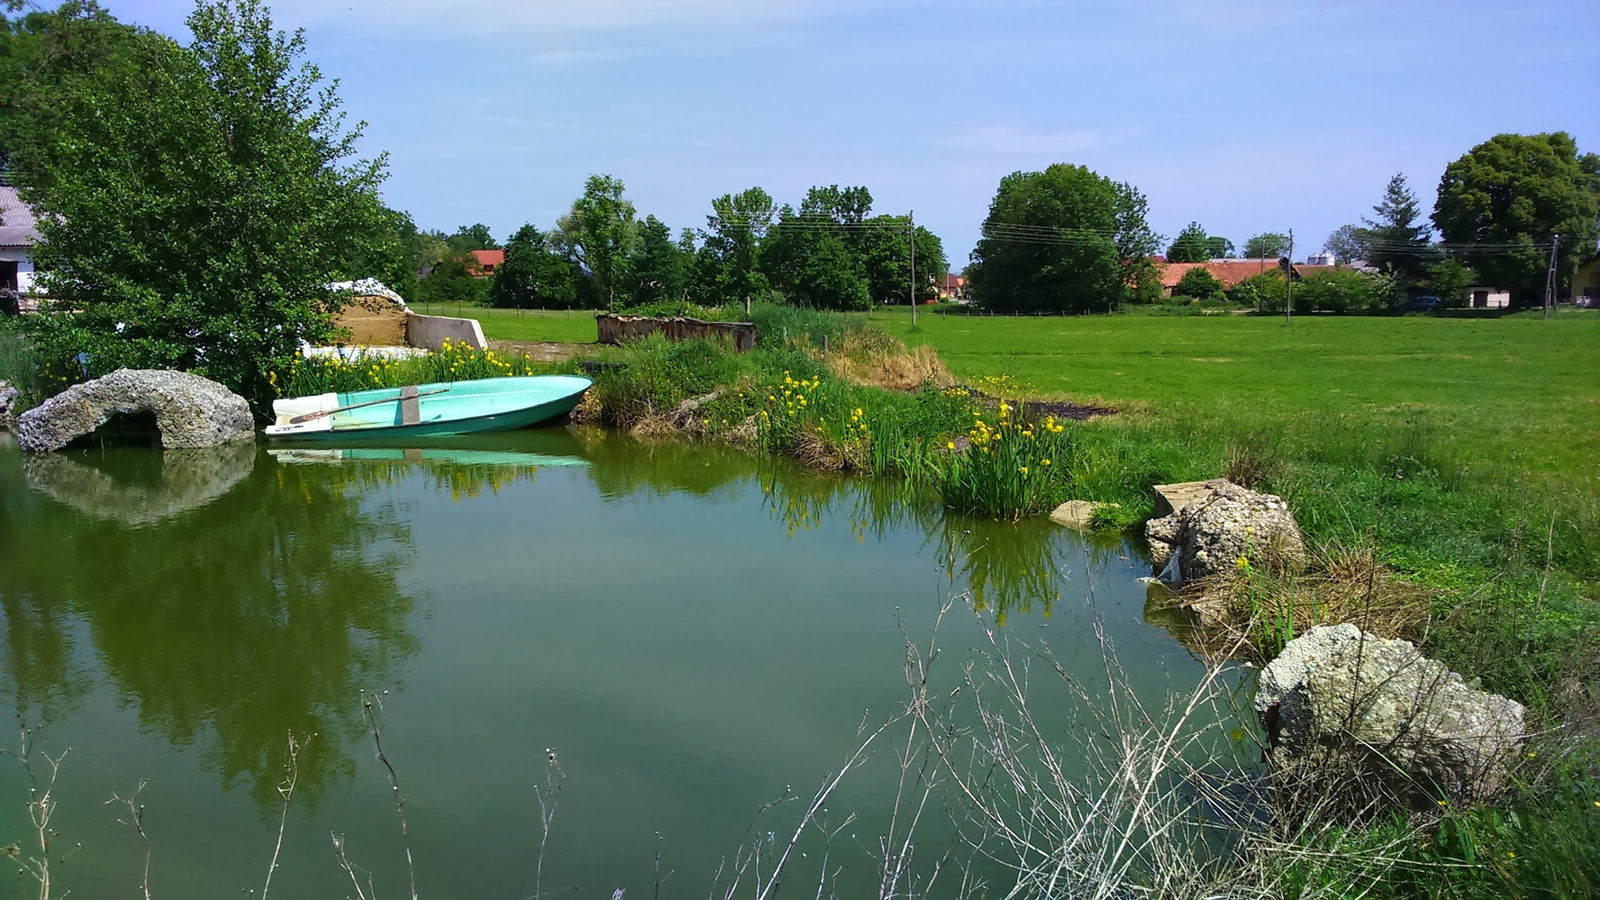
<point>1229,271</point>
<point>489,260</point>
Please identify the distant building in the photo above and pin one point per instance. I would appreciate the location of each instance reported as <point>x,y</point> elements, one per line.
<point>1488,298</point>
<point>488,261</point>
<point>19,234</point>
<point>1229,272</point>
<point>952,287</point>
<point>1586,283</point>
<point>1321,259</point>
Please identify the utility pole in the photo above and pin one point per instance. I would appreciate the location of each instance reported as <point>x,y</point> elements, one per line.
<point>1550,277</point>
<point>1288,283</point>
<point>911,235</point>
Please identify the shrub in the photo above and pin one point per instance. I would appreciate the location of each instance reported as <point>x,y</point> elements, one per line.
<point>1264,291</point>
<point>1345,291</point>
<point>1199,284</point>
<point>659,374</point>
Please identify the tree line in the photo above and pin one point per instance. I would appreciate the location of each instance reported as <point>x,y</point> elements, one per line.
<point>830,252</point>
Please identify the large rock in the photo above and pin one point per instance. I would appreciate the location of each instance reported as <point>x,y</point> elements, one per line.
<point>8,398</point>
<point>1076,514</point>
<point>1368,713</point>
<point>1226,523</point>
<point>190,411</point>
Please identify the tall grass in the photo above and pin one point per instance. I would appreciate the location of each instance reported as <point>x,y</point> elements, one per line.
<point>453,362</point>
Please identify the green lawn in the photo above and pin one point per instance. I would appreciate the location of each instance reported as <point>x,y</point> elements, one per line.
<point>1518,393</point>
<point>569,326</point>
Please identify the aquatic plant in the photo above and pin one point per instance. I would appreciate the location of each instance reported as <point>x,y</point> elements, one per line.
<point>1010,467</point>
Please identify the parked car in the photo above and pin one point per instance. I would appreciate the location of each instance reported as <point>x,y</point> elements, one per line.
<point>1422,304</point>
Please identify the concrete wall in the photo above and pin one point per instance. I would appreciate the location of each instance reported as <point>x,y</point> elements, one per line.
<point>19,255</point>
<point>429,332</point>
<point>1586,281</point>
<point>614,329</point>
<point>1494,298</point>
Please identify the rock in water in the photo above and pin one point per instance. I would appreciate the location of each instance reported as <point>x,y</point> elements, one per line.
<point>1367,713</point>
<point>1225,524</point>
<point>190,411</point>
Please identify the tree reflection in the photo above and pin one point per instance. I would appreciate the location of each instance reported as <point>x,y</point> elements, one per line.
<point>1007,566</point>
<point>1004,566</point>
<point>225,625</point>
<point>623,466</point>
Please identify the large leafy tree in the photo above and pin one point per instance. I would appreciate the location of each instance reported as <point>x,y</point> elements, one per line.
<point>603,234</point>
<point>731,249</point>
<point>659,269</point>
<point>457,278</point>
<point>813,256</point>
<point>44,57</point>
<point>1269,245</point>
<point>813,264</point>
<point>476,236</point>
<point>1062,240</point>
<point>1509,195</point>
<point>392,254</point>
<point>195,201</point>
<point>887,252</point>
<point>533,275</point>
<point>1397,241</point>
<point>1219,247</point>
<point>1192,245</point>
<point>1347,243</point>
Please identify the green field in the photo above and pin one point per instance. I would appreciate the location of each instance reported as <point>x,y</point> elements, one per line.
<point>568,326</point>
<point>1519,394</point>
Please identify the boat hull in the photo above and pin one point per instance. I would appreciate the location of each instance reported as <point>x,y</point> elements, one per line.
<point>515,403</point>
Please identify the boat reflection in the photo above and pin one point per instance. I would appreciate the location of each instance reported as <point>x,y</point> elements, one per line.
<point>465,465</point>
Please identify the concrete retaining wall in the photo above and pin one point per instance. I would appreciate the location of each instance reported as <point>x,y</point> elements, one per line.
<point>429,332</point>
<point>615,329</point>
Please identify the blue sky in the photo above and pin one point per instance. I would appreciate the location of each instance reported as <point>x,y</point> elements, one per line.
<point>1246,116</point>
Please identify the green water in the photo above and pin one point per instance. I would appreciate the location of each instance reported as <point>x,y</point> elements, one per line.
<point>691,630</point>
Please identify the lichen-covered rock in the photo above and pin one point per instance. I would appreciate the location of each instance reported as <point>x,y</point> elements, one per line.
<point>1373,712</point>
<point>1229,523</point>
<point>190,411</point>
<point>8,398</point>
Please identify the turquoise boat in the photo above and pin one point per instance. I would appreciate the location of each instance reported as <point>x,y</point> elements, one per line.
<point>428,410</point>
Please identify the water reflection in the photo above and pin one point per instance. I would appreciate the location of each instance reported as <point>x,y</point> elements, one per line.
<point>223,621</point>
<point>465,470</point>
<point>139,489</point>
<point>623,467</point>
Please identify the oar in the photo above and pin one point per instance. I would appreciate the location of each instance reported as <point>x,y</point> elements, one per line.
<point>311,416</point>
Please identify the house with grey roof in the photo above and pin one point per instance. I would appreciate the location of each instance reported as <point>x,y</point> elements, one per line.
<point>18,235</point>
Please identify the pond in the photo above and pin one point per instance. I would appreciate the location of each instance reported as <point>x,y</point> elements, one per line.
<point>692,632</point>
